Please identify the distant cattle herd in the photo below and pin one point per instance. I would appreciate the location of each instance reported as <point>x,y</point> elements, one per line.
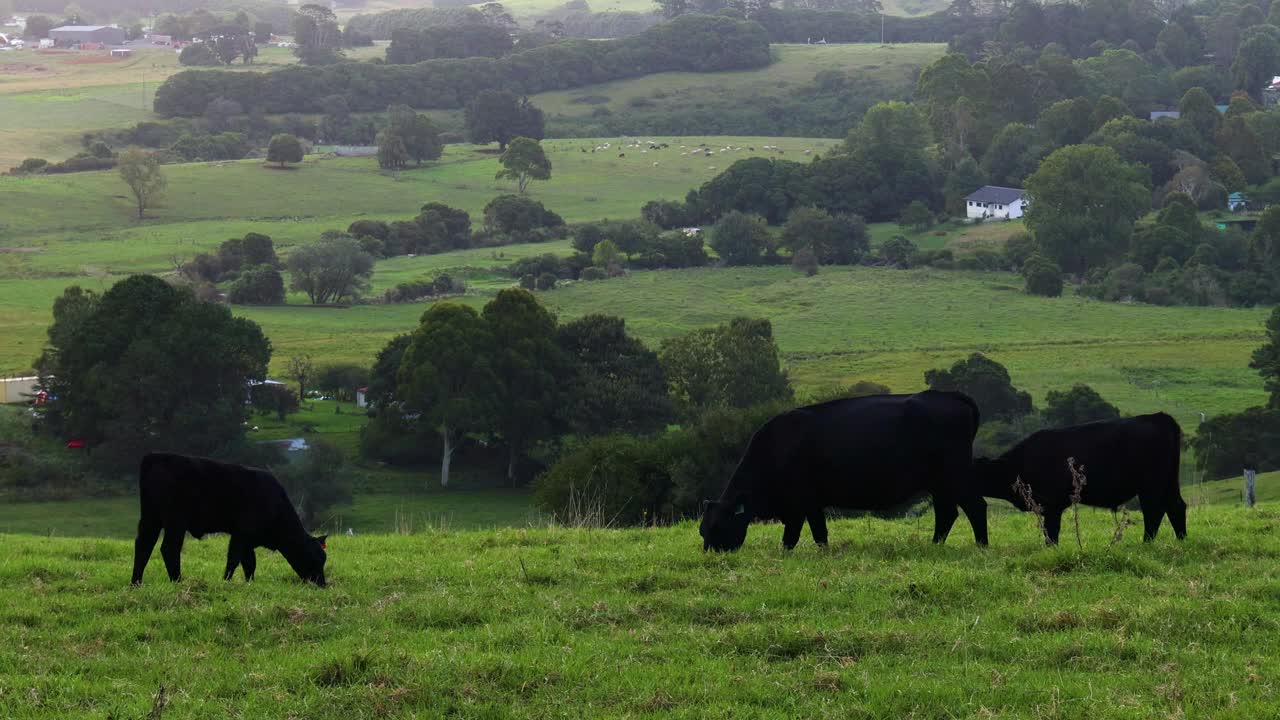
<point>873,453</point>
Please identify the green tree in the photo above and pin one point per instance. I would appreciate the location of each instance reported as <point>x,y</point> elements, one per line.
<point>198,55</point>
<point>1197,109</point>
<point>605,254</point>
<point>1014,154</point>
<point>1080,404</point>
<point>1178,46</point>
<point>916,216</point>
<point>522,161</point>
<point>963,179</point>
<point>987,382</point>
<point>301,370</point>
<point>315,30</point>
<point>148,366</point>
<point>739,238</point>
<point>733,365</point>
<point>420,136</point>
<point>833,239</point>
<point>392,154</point>
<point>897,251</point>
<point>330,270</point>
<point>1256,62</point>
<point>1264,243</point>
<point>140,170</point>
<point>1266,359</point>
<point>1239,142</point>
<point>1066,122</point>
<point>1084,201</point>
<point>258,285</point>
<point>529,366</point>
<point>617,383</point>
<point>1043,276</point>
<point>806,261</point>
<point>447,377</point>
<point>284,148</point>
<point>38,26</point>
<point>498,115</point>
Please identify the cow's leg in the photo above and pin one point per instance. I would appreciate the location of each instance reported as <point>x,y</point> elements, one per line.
<point>818,526</point>
<point>235,552</point>
<point>792,524</point>
<point>975,508</point>
<point>944,516</point>
<point>1178,517</point>
<point>249,562</point>
<point>148,534</point>
<point>1152,514</point>
<point>171,550</point>
<point>1052,525</point>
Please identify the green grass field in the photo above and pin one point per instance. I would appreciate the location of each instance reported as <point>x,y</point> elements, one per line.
<point>543,623</point>
<point>794,66</point>
<point>48,99</point>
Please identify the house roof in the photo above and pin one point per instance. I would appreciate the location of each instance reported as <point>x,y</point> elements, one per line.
<point>1173,114</point>
<point>996,194</point>
<point>81,28</point>
<point>1236,196</point>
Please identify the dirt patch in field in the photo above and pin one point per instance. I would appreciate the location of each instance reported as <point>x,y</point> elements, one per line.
<point>92,60</point>
<point>19,250</point>
<point>22,69</point>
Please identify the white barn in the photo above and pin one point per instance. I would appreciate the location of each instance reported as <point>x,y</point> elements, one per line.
<point>991,201</point>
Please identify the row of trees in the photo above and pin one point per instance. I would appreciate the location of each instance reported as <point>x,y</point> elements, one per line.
<point>513,374</point>
<point>695,44</point>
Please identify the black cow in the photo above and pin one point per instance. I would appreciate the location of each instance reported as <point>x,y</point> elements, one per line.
<point>870,453</point>
<point>1122,458</point>
<point>182,494</point>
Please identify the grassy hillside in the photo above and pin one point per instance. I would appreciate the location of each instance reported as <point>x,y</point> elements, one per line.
<point>542,623</point>
<point>47,99</point>
<point>794,65</point>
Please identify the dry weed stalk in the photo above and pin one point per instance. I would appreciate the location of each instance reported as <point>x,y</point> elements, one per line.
<point>1078,481</point>
<point>1122,521</point>
<point>1023,491</point>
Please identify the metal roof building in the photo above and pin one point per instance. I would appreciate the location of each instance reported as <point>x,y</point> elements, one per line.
<point>73,34</point>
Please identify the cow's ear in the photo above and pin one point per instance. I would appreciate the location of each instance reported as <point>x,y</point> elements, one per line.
<point>324,545</point>
<point>705,504</point>
<point>740,509</point>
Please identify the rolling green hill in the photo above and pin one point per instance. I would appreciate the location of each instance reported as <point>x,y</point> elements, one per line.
<point>540,623</point>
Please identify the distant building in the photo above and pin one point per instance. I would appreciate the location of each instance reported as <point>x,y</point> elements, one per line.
<point>18,389</point>
<point>362,397</point>
<point>121,52</point>
<point>69,35</point>
<point>1171,114</point>
<point>991,201</point>
<point>1237,201</point>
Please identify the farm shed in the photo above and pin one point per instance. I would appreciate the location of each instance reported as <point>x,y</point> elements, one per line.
<point>17,389</point>
<point>68,35</point>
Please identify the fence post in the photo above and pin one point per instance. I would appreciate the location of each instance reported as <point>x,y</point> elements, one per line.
<point>1249,476</point>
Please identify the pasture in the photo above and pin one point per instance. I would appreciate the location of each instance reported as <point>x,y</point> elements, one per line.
<point>793,66</point>
<point>49,98</point>
<point>554,622</point>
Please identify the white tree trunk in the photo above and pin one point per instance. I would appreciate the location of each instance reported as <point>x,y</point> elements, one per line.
<point>446,457</point>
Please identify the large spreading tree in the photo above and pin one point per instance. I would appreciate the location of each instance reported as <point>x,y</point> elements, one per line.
<point>1084,201</point>
<point>524,160</point>
<point>498,115</point>
<point>446,376</point>
<point>529,365</point>
<point>146,366</point>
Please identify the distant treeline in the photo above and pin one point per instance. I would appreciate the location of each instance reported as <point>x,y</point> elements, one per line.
<point>798,26</point>
<point>101,11</point>
<point>380,25</point>
<point>692,44</point>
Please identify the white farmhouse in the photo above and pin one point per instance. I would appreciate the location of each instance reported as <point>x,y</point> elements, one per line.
<point>991,201</point>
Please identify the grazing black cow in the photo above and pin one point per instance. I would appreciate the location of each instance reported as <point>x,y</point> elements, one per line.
<point>870,453</point>
<point>182,494</point>
<point>1122,458</point>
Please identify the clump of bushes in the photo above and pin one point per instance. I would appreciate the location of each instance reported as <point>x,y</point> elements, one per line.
<point>419,289</point>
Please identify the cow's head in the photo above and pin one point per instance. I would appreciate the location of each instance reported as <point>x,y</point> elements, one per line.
<point>308,561</point>
<point>724,524</point>
<point>995,478</point>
